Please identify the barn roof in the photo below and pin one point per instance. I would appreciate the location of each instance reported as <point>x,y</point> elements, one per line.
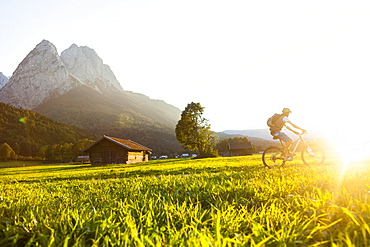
<point>128,144</point>
<point>236,145</point>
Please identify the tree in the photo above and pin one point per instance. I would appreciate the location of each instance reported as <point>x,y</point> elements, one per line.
<point>80,145</point>
<point>6,152</point>
<point>193,131</point>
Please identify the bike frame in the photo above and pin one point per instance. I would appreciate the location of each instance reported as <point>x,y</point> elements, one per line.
<point>295,145</point>
<point>273,156</point>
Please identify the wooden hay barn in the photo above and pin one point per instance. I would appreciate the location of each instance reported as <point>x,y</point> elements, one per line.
<point>240,149</point>
<point>111,150</point>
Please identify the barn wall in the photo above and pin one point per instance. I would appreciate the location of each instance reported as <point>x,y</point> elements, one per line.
<point>106,152</point>
<point>240,152</point>
<point>137,156</point>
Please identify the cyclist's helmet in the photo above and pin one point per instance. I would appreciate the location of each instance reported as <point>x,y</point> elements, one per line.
<point>287,110</point>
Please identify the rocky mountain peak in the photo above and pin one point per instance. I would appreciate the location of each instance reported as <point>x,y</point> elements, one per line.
<point>46,45</point>
<point>84,63</point>
<point>40,76</point>
<point>44,74</point>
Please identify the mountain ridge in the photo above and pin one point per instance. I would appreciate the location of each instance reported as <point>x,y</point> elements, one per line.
<point>116,114</point>
<point>85,64</point>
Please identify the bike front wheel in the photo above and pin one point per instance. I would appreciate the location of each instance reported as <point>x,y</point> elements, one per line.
<point>272,158</point>
<point>313,155</point>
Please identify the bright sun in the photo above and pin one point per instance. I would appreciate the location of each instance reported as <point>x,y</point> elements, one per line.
<point>345,128</point>
<point>352,144</point>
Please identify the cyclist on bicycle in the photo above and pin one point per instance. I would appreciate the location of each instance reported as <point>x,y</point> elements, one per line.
<point>276,130</point>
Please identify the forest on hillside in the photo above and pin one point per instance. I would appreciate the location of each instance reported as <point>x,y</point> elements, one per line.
<point>26,132</point>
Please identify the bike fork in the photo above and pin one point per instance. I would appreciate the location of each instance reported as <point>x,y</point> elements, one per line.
<point>309,150</point>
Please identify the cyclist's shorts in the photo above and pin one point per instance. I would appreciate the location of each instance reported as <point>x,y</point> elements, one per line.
<point>282,136</point>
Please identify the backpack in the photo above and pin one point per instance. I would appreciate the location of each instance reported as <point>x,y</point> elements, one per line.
<point>272,120</point>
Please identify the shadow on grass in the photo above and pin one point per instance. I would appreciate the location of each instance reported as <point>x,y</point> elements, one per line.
<point>41,169</point>
<point>120,172</point>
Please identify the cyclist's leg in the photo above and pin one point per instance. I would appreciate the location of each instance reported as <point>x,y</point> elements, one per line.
<point>287,145</point>
<point>287,141</point>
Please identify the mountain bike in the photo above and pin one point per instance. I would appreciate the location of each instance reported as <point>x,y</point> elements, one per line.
<point>311,154</point>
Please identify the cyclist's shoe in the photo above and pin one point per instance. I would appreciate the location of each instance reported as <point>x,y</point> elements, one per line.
<point>287,157</point>
<point>292,155</point>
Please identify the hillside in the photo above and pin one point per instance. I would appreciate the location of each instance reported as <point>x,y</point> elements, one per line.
<point>27,131</point>
<point>120,114</point>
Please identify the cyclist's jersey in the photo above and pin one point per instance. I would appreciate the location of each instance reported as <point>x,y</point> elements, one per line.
<point>280,123</point>
<point>285,119</point>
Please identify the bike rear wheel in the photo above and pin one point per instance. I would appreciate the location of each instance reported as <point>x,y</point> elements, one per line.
<point>272,158</point>
<point>313,155</point>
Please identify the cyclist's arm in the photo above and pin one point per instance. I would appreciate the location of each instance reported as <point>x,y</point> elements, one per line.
<point>295,126</point>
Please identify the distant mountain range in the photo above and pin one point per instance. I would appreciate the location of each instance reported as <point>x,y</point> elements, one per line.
<point>260,142</point>
<point>260,133</point>
<point>262,139</point>
<point>265,133</point>
<point>77,88</point>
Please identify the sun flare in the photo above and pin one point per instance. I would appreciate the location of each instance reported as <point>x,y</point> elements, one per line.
<point>352,145</point>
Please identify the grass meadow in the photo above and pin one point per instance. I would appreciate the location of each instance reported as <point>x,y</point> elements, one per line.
<point>6,164</point>
<point>206,202</point>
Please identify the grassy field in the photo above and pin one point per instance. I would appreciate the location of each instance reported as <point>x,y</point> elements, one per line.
<point>20,163</point>
<point>209,202</point>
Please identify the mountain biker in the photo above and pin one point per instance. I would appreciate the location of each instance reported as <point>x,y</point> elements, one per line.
<point>279,124</point>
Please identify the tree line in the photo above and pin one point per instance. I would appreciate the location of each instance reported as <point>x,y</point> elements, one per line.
<point>55,152</point>
<point>64,152</point>
<point>26,132</point>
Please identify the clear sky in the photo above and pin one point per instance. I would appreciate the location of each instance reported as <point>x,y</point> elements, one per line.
<point>242,60</point>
